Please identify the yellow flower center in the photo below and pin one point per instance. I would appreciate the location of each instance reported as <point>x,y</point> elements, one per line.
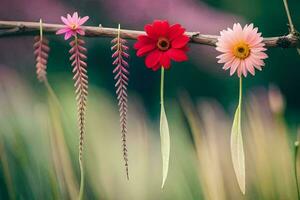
<point>163,43</point>
<point>241,50</point>
<point>73,26</point>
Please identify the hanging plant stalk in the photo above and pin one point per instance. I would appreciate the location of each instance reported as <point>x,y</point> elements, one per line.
<point>78,51</point>
<point>41,51</point>
<point>81,84</point>
<point>121,77</point>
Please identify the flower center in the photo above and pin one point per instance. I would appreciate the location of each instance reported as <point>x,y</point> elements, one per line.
<point>73,26</point>
<point>241,50</point>
<point>163,43</point>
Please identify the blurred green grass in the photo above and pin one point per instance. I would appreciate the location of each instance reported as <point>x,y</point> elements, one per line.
<point>39,146</point>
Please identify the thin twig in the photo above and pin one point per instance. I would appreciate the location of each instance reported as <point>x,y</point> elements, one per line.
<point>287,10</point>
<point>19,28</point>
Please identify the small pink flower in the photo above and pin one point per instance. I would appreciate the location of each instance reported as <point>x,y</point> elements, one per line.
<point>72,25</point>
<point>242,49</point>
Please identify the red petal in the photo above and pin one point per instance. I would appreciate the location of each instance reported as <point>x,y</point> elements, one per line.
<point>142,40</point>
<point>150,32</point>
<point>156,67</point>
<point>160,28</point>
<point>165,60</point>
<point>152,58</point>
<point>145,49</point>
<point>180,42</point>
<point>165,28</point>
<point>177,55</point>
<point>175,31</point>
<point>185,48</point>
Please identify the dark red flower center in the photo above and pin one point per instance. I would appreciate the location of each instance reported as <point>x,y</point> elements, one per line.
<point>163,43</point>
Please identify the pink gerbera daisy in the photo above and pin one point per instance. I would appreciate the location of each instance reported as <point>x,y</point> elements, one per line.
<point>242,49</point>
<point>72,25</point>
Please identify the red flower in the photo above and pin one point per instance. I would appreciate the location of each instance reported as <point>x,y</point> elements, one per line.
<point>162,43</point>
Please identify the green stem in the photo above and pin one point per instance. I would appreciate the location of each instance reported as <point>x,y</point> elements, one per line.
<point>240,92</point>
<point>295,167</point>
<point>41,29</point>
<point>81,179</point>
<point>287,10</point>
<point>162,86</point>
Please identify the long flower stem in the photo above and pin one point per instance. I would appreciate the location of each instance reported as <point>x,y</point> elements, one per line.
<point>162,86</point>
<point>240,92</point>
<point>287,10</point>
<point>296,147</point>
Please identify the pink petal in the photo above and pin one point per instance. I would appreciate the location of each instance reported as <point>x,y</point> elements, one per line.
<point>256,59</point>
<point>238,31</point>
<point>237,28</point>
<point>222,49</point>
<point>75,16</point>
<point>249,67</point>
<point>253,35</point>
<point>83,20</point>
<point>65,21</point>
<point>258,49</point>
<point>228,64</point>
<point>70,19</point>
<point>254,63</point>
<point>63,30</point>
<point>260,55</point>
<point>68,35</point>
<point>243,68</point>
<point>223,58</point>
<point>255,38</point>
<point>256,41</point>
<point>239,72</point>
<point>80,31</point>
<point>235,65</point>
<point>248,32</point>
<point>226,38</point>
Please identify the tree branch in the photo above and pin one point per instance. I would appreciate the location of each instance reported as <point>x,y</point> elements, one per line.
<point>19,28</point>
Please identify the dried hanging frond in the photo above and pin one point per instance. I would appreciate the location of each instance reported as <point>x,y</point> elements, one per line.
<point>121,77</point>
<point>81,85</point>
<point>41,51</point>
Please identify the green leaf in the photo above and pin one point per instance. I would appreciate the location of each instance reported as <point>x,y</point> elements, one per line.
<point>165,143</point>
<point>298,51</point>
<point>164,132</point>
<point>237,150</point>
